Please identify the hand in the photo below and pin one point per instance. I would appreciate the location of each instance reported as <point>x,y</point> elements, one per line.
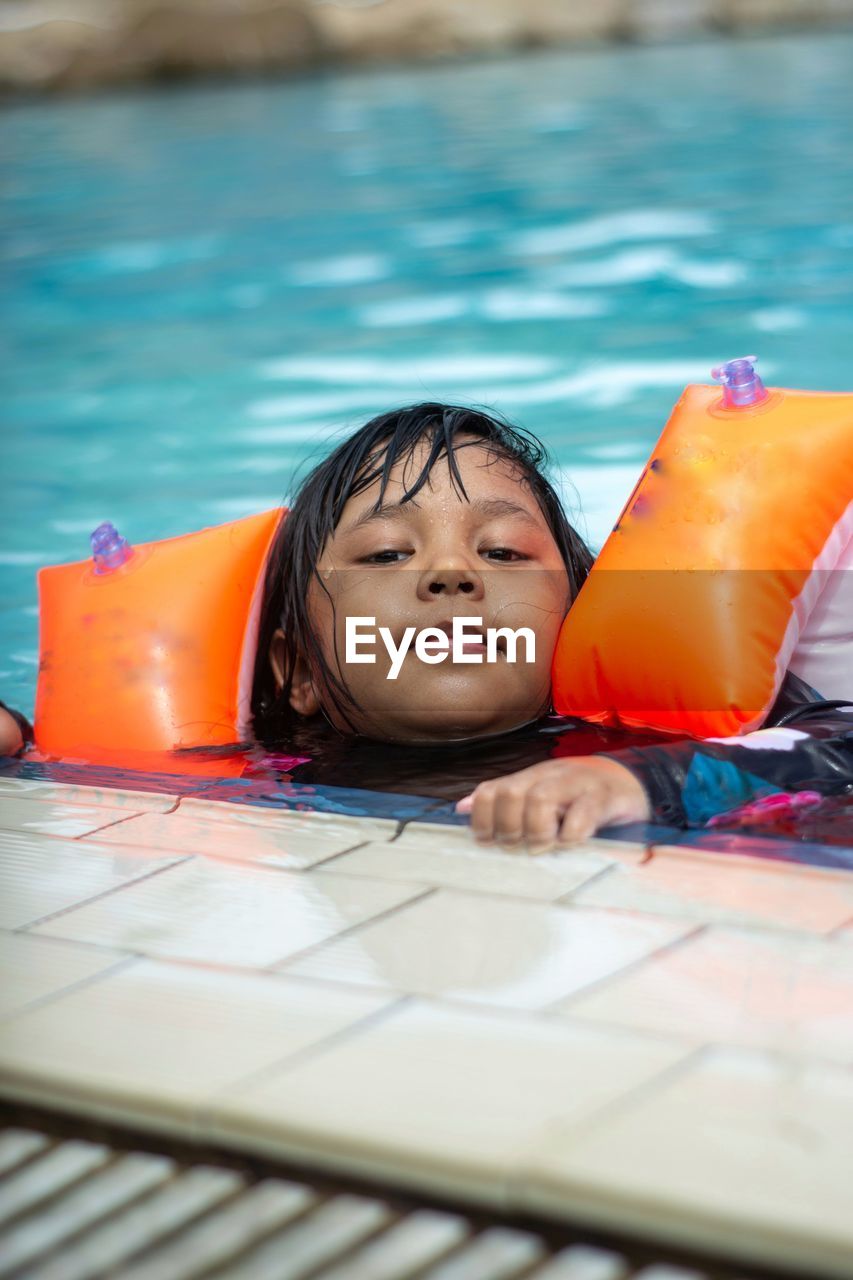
<point>556,803</point>
<point>10,734</point>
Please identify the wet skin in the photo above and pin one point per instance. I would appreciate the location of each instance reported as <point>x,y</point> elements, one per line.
<point>422,563</point>
<point>11,739</point>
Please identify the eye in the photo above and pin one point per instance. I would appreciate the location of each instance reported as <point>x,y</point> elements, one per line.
<point>503,555</point>
<point>387,556</point>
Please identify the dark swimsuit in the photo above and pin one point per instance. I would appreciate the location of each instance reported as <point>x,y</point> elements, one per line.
<point>687,781</point>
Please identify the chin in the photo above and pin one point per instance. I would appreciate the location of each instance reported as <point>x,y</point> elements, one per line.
<point>446,725</point>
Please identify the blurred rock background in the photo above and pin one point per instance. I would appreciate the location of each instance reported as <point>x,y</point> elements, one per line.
<point>80,44</point>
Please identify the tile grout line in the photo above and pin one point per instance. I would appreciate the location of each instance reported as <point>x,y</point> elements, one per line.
<point>840,929</point>
<point>280,966</point>
<point>264,862</point>
<point>105,893</point>
<point>493,895</point>
<point>712,1045</point>
<point>100,798</point>
<point>761,926</point>
<point>324,862</point>
<point>583,1124</point>
<point>123,963</point>
<point>567,899</point>
<point>651,956</point>
<point>303,816</point>
<point>203,1116</point>
<point>541,1017</point>
<point>84,944</point>
<point>108,826</point>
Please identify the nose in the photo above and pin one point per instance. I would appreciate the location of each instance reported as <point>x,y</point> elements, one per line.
<point>450,581</point>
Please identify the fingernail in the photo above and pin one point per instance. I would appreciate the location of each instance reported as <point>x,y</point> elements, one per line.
<point>465,805</point>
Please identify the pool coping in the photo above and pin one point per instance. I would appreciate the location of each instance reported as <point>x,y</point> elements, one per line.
<point>614,1079</point>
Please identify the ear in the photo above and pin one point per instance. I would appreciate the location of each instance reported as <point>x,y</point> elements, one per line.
<point>303,696</point>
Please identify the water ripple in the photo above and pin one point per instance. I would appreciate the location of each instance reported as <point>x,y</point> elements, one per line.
<point>354,268</point>
<point>613,228</point>
<point>636,266</point>
<point>396,371</point>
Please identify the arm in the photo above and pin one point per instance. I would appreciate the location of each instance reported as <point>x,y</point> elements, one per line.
<point>689,782</point>
<point>15,731</point>
<point>678,783</point>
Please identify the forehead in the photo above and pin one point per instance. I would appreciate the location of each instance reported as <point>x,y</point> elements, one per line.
<point>484,471</point>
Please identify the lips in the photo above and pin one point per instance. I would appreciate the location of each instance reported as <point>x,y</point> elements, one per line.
<point>471,645</point>
<point>447,628</point>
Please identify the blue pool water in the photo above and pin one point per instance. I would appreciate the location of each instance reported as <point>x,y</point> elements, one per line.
<point>203,285</point>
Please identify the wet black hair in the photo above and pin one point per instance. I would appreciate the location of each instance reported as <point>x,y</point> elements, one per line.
<point>371,454</point>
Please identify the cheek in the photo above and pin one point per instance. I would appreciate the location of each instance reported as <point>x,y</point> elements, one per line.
<point>539,599</point>
<point>386,597</point>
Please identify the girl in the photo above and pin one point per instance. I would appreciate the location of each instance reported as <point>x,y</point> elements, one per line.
<point>434,514</point>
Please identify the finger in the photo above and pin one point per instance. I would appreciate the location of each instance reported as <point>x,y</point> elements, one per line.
<point>583,818</point>
<point>509,815</point>
<point>466,804</point>
<point>482,812</point>
<point>542,814</point>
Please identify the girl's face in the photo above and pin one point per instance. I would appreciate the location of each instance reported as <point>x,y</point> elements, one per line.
<point>422,564</point>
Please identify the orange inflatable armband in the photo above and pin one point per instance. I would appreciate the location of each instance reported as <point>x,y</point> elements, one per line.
<point>693,610</point>
<point>147,650</point>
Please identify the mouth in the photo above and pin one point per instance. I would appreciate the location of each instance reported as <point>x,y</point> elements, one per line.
<point>475,642</point>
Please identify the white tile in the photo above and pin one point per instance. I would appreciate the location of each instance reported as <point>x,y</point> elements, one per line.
<point>73,793</point>
<point>423,837</point>
<point>438,1099</point>
<point>156,1040</point>
<point>297,819</point>
<point>240,833</point>
<point>737,1151</point>
<point>520,955</point>
<point>49,818</point>
<point>454,861</point>
<point>32,968</point>
<point>715,888</point>
<point>40,875</point>
<point>783,993</point>
<point>229,915</point>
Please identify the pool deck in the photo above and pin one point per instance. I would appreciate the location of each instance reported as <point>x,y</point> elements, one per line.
<point>651,1043</point>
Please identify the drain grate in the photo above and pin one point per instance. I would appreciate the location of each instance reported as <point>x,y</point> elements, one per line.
<point>84,1207</point>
